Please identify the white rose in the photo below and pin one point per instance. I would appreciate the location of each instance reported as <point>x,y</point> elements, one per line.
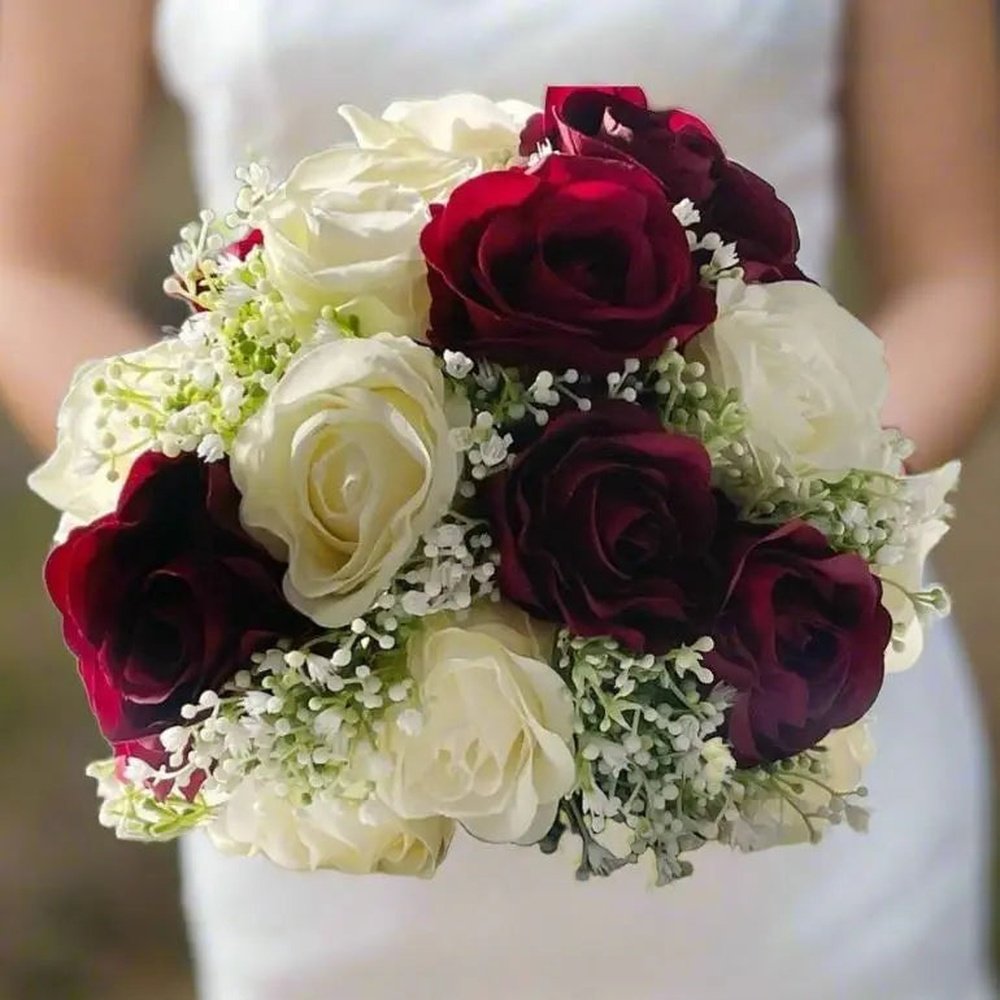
<point>812,377</point>
<point>479,132</point>
<point>494,747</point>
<point>926,497</point>
<point>76,479</point>
<point>347,463</point>
<point>770,820</point>
<point>344,231</point>
<point>337,833</point>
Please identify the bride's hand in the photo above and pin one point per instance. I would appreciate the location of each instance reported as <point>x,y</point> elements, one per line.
<point>72,80</point>
<point>922,111</point>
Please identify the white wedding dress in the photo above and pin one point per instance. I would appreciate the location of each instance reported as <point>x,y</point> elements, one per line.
<point>898,914</point>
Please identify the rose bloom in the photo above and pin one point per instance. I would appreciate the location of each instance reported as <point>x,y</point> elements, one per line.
<point>813,379</point>
<point>71,479</point>
<point>347,463</point>
<point>342,231</point>
<point>165,597</point>
<point>477,132</point>
<point>338,834</point>
<point>605,524</point>
<point>493,748</point>
<point>576,263</point>
<point>682,153</point>
<point>801,637</point>
<point>769,820</point>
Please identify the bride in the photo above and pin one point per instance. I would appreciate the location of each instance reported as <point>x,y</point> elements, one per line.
<point>794,90</point>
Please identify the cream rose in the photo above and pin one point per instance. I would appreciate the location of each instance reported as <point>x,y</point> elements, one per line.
<point>77,479</point>
<point>926,497</point>
<point>347,463</point>
<point>492,746</point>
<point>769,819</point>
<point>478,132</point>
<point>343,231</point>
<point>813,378</point>
<point>329,833</point>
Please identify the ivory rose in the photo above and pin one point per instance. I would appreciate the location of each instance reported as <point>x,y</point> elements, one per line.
<point>343,231</point>
<point>476,132</point>
<point>348,462</point>
<point>811,377</point>
<point>329,833</point>
<point>494,747</point>
<point>769,820</point>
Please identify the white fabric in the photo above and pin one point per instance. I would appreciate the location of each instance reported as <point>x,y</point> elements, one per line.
<point>899,913</point>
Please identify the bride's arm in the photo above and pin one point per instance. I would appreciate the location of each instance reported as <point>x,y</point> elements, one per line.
<point>922,114</point>
<point>72,80</point>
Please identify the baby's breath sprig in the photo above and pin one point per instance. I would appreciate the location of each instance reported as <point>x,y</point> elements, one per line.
<point>503,393</point>
<point>791,799</point>
<point>237,347</point>
<point>136,811</point>
<point>690,405</point>
<point>723,260</point>
<point>650,763</point>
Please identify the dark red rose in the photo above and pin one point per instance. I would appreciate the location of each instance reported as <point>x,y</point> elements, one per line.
<point>241,248</point>
<point>745,210</point>
<point>605,524</point>
<point>683,154</point>
<point>576,263</point>
<point>677,148</point>
<point>166,596</point>
<point>801,637</point>
<point>544,126</point>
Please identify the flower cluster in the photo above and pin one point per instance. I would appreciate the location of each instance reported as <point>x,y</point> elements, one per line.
<point>506,475</point>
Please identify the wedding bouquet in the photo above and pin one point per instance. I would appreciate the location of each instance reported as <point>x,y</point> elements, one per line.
<point>507,474</point>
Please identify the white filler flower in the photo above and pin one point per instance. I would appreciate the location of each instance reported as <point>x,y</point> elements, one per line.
<point>811,377</point>
<point>97,443</point>
<point>345,466</point>
<point>493,748</point>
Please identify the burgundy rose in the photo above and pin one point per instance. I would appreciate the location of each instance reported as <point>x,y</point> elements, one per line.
<point>802,639</point>
<point>577,263</point>
<point>165,597</point>
<point>605,524</point>
<point>683,154</point>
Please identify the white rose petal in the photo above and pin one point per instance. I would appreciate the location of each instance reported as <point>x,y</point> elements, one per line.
<point>74,479</point>
<point>812,377</point>
<point>494,750</point>
<point>467,125</point>
<point>926,495</point>
<point>345,466</point>
<point>336,833</point>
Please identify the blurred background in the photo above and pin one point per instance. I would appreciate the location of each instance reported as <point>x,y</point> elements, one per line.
<point>84,916</point>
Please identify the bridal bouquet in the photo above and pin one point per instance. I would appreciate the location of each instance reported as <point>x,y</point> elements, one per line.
<point>507,474</point>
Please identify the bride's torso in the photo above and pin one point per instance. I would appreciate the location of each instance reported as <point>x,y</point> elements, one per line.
<point>263,78</point>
